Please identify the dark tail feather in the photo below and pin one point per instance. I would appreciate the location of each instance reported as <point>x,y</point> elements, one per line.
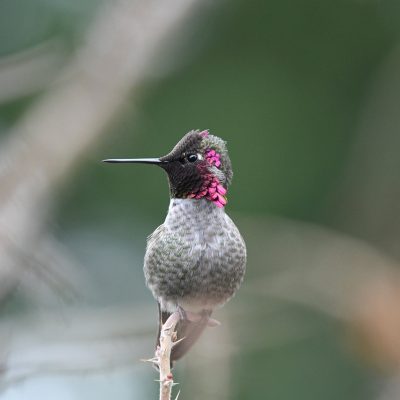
<point>188,330</point>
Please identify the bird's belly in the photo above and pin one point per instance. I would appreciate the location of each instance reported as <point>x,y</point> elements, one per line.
<point>196,258</point>
<point>199,274</point>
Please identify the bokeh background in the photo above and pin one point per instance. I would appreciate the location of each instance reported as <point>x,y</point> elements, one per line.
<point>305,92</point>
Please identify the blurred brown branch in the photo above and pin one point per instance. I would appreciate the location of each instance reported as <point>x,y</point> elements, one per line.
<point>30,70</point>
<point>46,143</point>
<point>44,146</point>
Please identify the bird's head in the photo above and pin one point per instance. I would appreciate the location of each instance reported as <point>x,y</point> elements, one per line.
<point>197,167</point>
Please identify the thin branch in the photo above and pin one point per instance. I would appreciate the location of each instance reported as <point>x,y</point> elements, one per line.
<point>163,355</point>
<point>30,70</point>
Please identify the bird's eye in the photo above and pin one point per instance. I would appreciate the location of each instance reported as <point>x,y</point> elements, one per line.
<point>192,157</point>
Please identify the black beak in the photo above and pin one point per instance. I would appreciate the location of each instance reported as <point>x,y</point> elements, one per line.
<point>135,160</point>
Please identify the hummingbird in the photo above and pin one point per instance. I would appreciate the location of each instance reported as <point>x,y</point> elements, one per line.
<point>195,261</point>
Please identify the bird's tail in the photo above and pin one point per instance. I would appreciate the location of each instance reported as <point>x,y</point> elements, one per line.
<point>187,330</point>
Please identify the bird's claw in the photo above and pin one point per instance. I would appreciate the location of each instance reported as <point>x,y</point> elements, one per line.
<point>182,313</point>
<point>194,317</point>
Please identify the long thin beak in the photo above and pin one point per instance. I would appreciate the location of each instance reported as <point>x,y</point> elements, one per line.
<point>135,160</point>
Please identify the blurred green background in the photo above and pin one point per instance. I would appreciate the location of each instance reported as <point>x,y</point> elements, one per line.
<point>306,94</point>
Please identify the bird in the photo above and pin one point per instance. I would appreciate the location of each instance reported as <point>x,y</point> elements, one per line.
<point>196,260</point>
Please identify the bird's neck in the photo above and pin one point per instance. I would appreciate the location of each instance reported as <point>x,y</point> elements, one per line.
<point>193,214</point>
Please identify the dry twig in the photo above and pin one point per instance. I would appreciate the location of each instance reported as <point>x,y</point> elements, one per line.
<point>163,353</point>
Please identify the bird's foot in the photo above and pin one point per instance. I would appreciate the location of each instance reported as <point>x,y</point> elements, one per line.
<point>195,317</point>
<point>182,313</point>
<point>212,323</point>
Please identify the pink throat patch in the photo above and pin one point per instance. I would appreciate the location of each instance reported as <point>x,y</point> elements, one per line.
<point>212,189</point>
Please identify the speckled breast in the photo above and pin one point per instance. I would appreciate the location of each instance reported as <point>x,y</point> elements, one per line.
<point>196,259</point>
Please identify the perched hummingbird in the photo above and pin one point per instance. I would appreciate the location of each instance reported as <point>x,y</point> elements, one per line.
<point>195,261</point>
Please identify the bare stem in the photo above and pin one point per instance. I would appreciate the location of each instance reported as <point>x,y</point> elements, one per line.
<point>163,355</point>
